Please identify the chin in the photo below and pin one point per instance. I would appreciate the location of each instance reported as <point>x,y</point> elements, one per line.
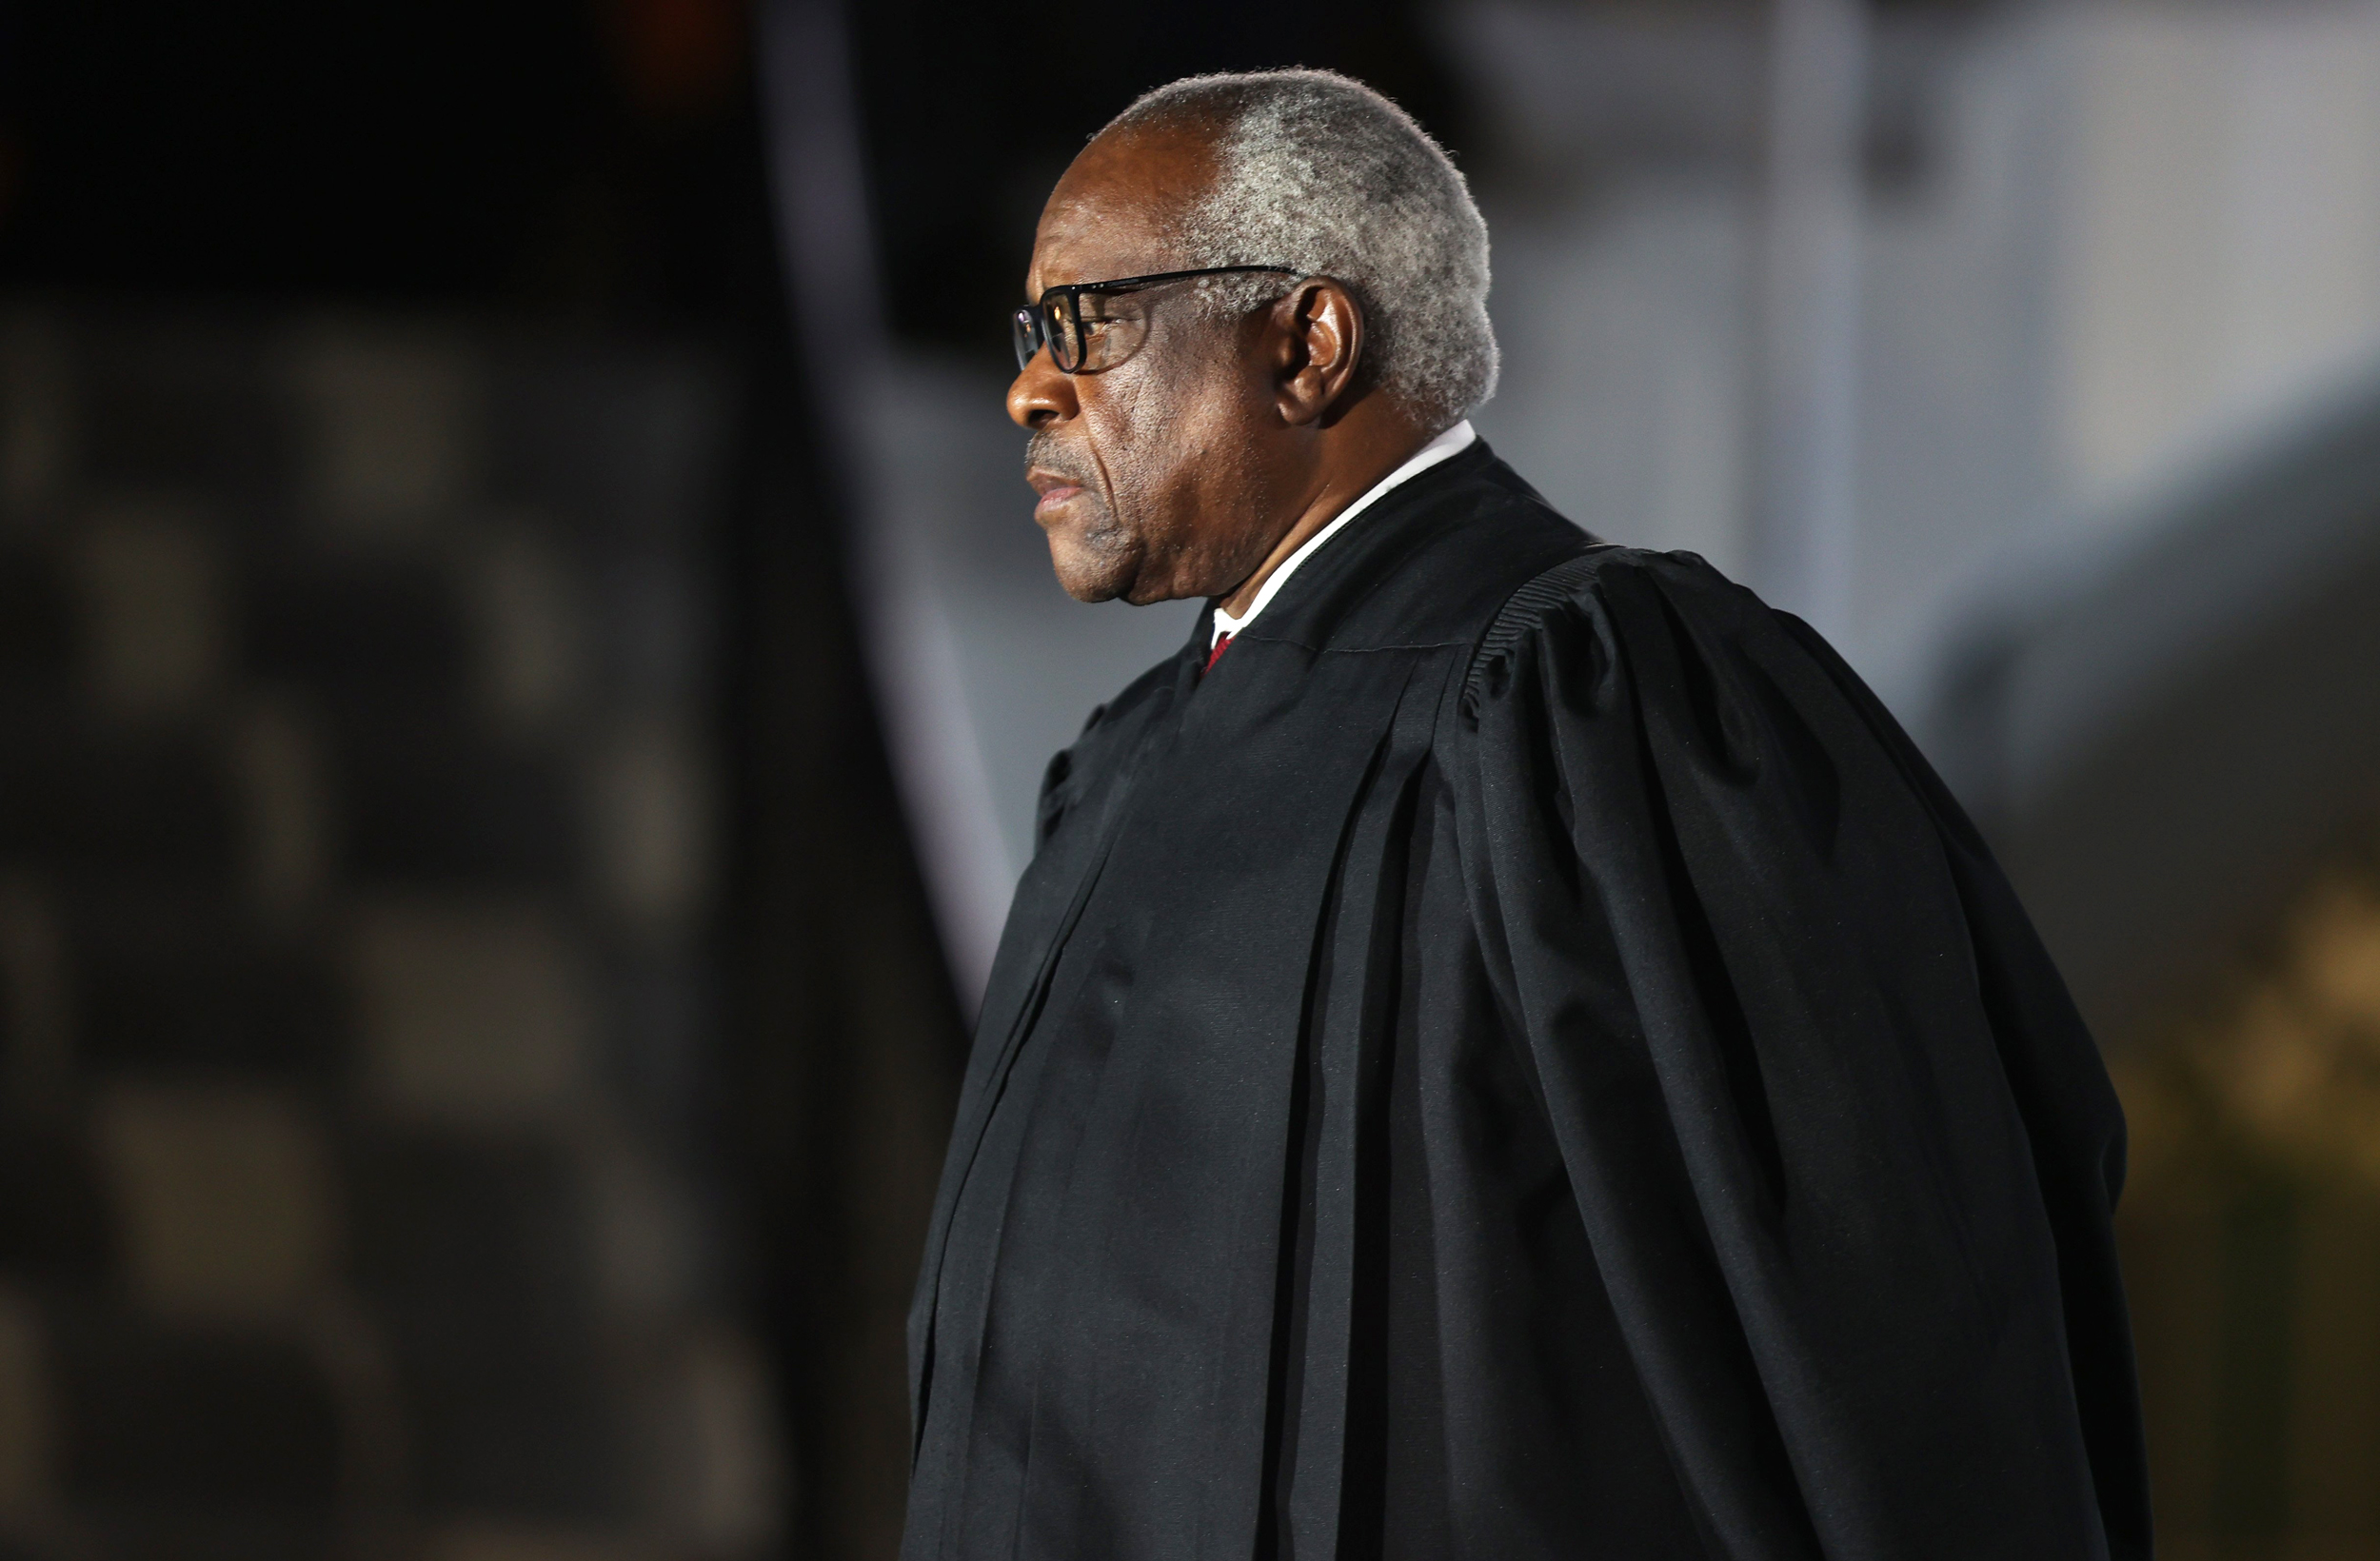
<point>1090,573</point>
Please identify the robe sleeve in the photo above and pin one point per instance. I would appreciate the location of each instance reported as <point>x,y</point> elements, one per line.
<point>1845,1152</point>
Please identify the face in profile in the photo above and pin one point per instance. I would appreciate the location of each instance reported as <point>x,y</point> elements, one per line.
<point>1143,461</point>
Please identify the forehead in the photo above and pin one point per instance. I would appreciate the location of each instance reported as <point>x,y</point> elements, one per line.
<point>1116,210</point>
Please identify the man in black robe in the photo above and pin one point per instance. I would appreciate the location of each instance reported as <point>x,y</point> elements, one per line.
<point>1503,1049</point>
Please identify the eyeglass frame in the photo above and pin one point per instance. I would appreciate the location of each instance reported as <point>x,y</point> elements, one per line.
<point>1031,321</point>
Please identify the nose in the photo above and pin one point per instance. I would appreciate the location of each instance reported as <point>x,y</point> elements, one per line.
<point>1040,395</point>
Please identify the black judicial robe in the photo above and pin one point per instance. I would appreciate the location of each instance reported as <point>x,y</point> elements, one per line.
<point>1523,1059</point>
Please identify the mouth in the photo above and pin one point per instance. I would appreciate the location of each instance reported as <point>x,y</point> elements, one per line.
<point>1054,488</point>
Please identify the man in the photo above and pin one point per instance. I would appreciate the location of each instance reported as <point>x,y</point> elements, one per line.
<point>1503,1049</point>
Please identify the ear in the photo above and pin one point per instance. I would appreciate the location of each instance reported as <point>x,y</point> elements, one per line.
<point>1317,341</point>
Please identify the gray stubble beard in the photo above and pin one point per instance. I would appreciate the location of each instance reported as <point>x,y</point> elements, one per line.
<point>1105,539</point>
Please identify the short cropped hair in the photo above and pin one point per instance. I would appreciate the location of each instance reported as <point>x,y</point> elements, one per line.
<point>1317,171</point>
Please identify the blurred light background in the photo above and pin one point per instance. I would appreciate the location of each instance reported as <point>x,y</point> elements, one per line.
<point>524,666</point>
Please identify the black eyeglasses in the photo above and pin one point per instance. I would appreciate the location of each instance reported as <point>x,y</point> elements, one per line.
<point>1077,344</point>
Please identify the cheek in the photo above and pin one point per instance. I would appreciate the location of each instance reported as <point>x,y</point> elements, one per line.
<point>1127,419</point>
<point>1161,439</point>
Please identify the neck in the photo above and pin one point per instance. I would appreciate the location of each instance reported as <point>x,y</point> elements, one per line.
<point>1358,453</point>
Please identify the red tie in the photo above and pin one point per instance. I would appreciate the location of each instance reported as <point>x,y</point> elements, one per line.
<point>1214,655</point>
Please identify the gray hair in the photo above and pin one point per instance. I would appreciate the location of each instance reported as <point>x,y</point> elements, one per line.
<point>1317,171</point>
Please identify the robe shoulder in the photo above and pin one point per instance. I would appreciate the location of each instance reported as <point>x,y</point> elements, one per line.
<point>1777,995</point>
<point>1547,612</point>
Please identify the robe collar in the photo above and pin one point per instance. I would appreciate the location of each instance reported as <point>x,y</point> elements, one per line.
<point>1448,444</point>
<point>1318,606</point>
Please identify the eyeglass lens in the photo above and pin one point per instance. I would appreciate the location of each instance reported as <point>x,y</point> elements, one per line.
<point>1082,333</point>
<point>1051,324</point>
<point>1024,330</point>
<point>1058,327</point>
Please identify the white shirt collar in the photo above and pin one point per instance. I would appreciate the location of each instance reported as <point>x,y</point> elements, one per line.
<point>1445,446</point>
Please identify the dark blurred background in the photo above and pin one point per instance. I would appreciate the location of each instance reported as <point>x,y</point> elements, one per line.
<point>524,667</point>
